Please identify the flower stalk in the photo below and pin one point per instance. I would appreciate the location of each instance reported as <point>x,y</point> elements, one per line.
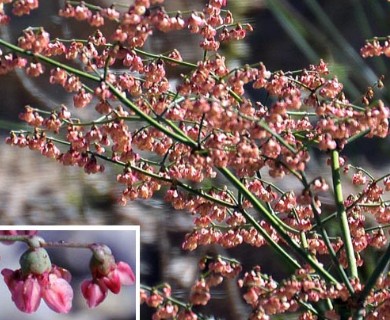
<point>342,214</point>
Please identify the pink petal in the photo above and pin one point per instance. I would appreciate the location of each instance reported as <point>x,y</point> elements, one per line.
<point>58,294</point>
<point>125,273</point>
<point>61,273</point>
<point>26,295</point>
<point>113,281</point>
<point>93,292</point>
<point>9,276</point>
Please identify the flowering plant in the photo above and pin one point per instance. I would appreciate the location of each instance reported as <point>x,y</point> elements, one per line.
<point>218,154</point>
<point>38,278</point>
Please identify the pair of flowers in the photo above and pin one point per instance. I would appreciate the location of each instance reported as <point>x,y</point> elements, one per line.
<point>39,279</point>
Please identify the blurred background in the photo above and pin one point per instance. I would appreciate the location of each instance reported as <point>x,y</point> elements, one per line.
<point>288,35</point>
<point>121,306</point>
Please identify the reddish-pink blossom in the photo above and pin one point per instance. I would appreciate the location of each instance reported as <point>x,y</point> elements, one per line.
<point>94,292</point>
<point>106,275</point>
<point>52,286</point>
<point>26,293</point>
<point>57,293</point>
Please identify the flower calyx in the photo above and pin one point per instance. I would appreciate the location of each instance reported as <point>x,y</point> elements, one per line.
<point>35,261</point>
<point>102,261</point>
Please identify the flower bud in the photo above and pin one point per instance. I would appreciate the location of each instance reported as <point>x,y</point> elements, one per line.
<point>102,261</point>
<point>36,261</point>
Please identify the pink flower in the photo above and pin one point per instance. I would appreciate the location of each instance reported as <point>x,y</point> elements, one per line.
<point>121,274</point>
<point>106,275</point>
<point>94,292</point>
<point>26,294</point>
<point>52,286</point>
<point>57,293</point>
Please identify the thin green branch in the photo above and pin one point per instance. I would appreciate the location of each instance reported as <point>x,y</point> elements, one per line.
<point>325,237</point>
<point>326,219</point>
<point>265,126</point>
<point>21,238</point>
<point>165,58</point>
<point>342,214</point>
<point>383,226</point>
<point>358,136</point>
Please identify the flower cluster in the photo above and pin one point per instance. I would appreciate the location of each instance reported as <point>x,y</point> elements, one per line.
<point>8,62</point>
<point>375,48</point>
<point>191,131</point>
<point>214,270</point>
<point>267,297</point>
<point>161,300</point>
<point>19,8</point>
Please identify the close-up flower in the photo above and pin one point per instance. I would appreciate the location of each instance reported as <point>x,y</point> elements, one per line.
<point>62,286</point>
<point>106,275</point>
<point>39,279</point>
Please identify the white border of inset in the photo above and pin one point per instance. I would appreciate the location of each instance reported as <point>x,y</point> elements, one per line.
<point>93,228</point>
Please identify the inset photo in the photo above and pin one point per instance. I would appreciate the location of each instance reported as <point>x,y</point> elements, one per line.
<point>69,272</point>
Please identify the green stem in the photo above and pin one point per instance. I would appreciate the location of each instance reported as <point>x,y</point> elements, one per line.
<point>383,226</point>
<point>342,214</point>
<point>265,126</point>
<point>282,252</point>
<point>36,241</point>
<point>162,57</point>
<point>63,244</point>
<point>326,219</point>
<point>358,136</point>
<point>328,244</point>
<point>87,5</point>
<point>21,238</point>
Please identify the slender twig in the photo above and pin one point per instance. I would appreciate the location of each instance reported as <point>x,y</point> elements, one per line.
<point>342,214</point>
<point>162,57</point>
<point>325,237</point>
